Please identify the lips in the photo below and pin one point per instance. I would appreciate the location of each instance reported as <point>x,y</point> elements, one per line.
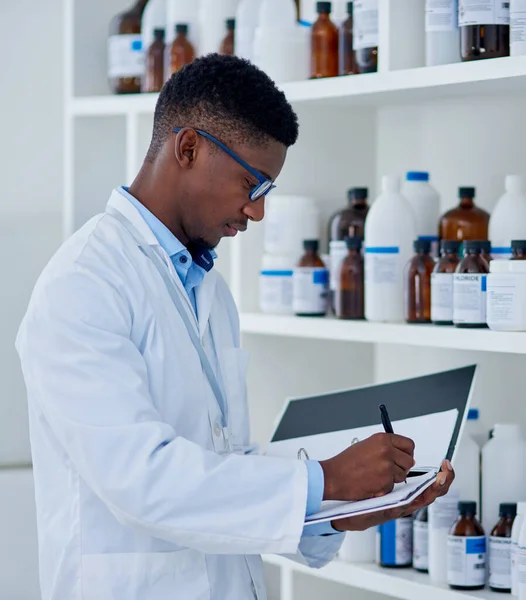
<point>234,229</point>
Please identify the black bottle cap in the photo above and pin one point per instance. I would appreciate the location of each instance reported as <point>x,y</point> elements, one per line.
<point>508,509</point>
<point>467,509</point>
<point>324,7</point>
<point>466,192</point>
<point>350,7</point>
<point>449,246</point>
<point>230,24</point>
<point>485,246</point>
<point>358,194</point>
<point>422,246</point>
<point>354,243</point>
<point>159,34</point>
<point>181,28</point>
<point>312,245</point>
<point>474,246</point>
<point>518,245</point>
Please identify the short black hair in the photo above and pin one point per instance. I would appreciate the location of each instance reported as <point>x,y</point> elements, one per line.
<point>227,96</point>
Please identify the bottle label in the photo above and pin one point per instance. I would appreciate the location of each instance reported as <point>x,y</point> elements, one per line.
<point>466,561</point>
<point>125,56</point>
<point>503,307</point>
<point>500,563</point>
<point>514,567</point>
<point>442,297</point>
<point>483,12</point>
<point>420,545</point>
<point>382,266</point>
<point>469,298</point>
<point>443,513</point>
<point>518,28</point>
<point>365,24</point>
<point>338,252</point>
<point>395,547</point>
<point>275,291</point>
<point>310,290</point>
<point>521,570</point>
<point>501,252</point>
<point>441,15</point>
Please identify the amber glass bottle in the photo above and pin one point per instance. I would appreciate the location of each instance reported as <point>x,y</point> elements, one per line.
<point>227,46</point>
<point>466,221</point>
<point>485,250</point>
<point>125,51</point>
<point>500,549</point>
<point>181,52</point>
<point>347,59</point>
<point>418,284</point>
<point>154,78</point>
<point>325,60</point>
<point>484,41</point>
<point>469,293</point>
<point>518,250</point>
<point>350,222</point>
<point>350,291</point>
<point>442,283</point>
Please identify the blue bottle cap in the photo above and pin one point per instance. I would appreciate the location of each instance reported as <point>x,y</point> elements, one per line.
<point>417,176</point>
<point>473,414</point>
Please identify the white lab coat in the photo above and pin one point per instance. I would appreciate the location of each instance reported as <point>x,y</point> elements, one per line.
<point>137,498</point>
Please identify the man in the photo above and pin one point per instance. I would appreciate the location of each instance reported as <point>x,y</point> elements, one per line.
<point>145,483</point>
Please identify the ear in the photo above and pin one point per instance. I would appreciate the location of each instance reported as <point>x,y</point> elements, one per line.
<point>186,147</point>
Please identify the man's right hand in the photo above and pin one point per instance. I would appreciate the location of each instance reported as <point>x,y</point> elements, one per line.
<point>368,469</point>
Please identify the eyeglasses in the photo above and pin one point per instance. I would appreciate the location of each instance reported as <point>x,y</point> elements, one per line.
<point>265,185</point>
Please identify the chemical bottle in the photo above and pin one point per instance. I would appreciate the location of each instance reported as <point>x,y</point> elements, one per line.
<point>502,459</point>
<point>394,543</point>
<point>350,222</point>
<point>153,17</point>
<point>499,549</point>
<point>469,288</point>
<point>350,290</point>
<point>515,534</point>
<point>365,35</point>
<point>247,17</point>
<point>347,58</point>
<point>359,546</point>
<point>389,234</point>
<point>310,283</point>
<point>325,59</point>
<point>518,250</point>
<point>337,253</point>
<point>520,560</point>
<point>518,28</point>
<point>442,283</point>
<point>212,17</point>
<point>155,58</point>
<point>442,32</point>
<point>418,284</point>
<point>508,219</point>
<point>183,11</point>
<point>442,515</point>
<point>181,51</point>
<point>484,29</point>
<point>425,202</point>
<point>228,44</point>
<point>125,51</point>
<point>467,462</point>
<point>466,550</point>
<point>421,541</point>
<point>466,221</point>
<point>275,284</point>
<point>485,250</point>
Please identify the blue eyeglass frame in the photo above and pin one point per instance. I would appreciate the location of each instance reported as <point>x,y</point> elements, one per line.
<point>264,187</point>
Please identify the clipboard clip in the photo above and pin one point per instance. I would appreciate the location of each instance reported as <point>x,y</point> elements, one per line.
<point>303,454</point>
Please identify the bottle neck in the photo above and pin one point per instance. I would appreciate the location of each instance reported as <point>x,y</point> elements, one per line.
<point>324,16</point>
<point>467,202</point>
<point>449,254</point>
<point>358,203</point>
<point>467,517</point>
<point>140,5</point>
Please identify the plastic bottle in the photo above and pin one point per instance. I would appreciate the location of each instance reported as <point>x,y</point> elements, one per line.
<point>518,28</point>
<point>499,549</point>
<point>466,221</point>
<point>515,534</point>
<point>442,32</point>
<point>350,290</point>
<point>421,541</point>
<point>365,36</point>
<point>502,460</point>
<point>518,250</point>
<point>181,51</point>
<point>418,284</point>
<point>442,515</point>
<point>425,202</point>
<point>347,58</point>
<point>466,551</point>
<point>212,17</point>
<point>389,234</point>
<point>155,58</point>
<point>442,283</point>
<point>469,288</point>
<point>325,58</point>
<point>508,219</point>
<point>310,283</point>
<point>467,463</point>
<point>359,546</point>
<point>227,45</point>
<point>484,29</point>
<point>183,11</point>
<point>247,18</point>
<point>394,544</point>
<point>350,222</point>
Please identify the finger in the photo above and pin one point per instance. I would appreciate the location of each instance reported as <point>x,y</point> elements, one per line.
<point>403,443</point>
<point>399,474</point>
<point>403,460</point>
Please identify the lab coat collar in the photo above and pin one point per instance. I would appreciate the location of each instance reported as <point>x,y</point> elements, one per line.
<point>118,202</point>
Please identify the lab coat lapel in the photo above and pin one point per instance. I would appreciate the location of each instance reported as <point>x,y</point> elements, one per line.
<point>205,294</point>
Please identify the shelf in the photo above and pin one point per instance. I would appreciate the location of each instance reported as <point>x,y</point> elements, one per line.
<point>429,336</point>
<point>497,76</point>
<point>406,584</point>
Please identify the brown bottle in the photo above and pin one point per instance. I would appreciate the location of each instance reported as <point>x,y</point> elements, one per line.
<point>470,298</point>
<point>466,221</point>
<point>310,283</point>
<point>500,550</point>
<point>181,52</point>
<point>154,78</point>
<point>350,222</point>
<point>227,45</point>
<point>347,59</point>
<point>518,250</point>
<point>484,41</point>
<point>325,60</point>
<point>442,283</point>
<point>365,36</point>
<point>418,284</point>
<point>485,250</point>
<point>125,51</point>
<point>350,292</point>
<point>467,526</point>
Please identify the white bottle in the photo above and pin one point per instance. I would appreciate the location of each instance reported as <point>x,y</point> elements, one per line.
<point>153,17</point>
<point>247,19</point>
<point>213,16</point>
<point>390,231</point>
<point>518,28</point>
<point>275,284</point>
<point>182,11</point>
<point>359,546</point>
<point>502,459</point>
<point>515,534</point>
<point>508,219</point>
<point>442,515</point>
<point>442,32</point>
<point>520,561</point>
<point>467,466</point>
<point>425,202</point>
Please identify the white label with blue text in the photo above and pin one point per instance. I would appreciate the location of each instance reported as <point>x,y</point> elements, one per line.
<point>310,290</point>
<point>500,563</point>
<point>442,297</point>
<point>382,266</point>
<point>441,15</point>
<point>469,298</point>
<point>483,12</point>
<point>275,291</point>
<point>125,56</point>
<point>365,24</point>
<point>466,561</point>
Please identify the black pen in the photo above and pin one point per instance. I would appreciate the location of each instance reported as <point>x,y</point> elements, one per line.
<point>386,421</point>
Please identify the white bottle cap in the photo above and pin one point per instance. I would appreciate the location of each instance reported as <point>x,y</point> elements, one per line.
<point>513,184</point>
<point>391,183</point>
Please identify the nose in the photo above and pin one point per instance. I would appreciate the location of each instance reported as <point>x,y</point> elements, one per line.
<point>255,211</point>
